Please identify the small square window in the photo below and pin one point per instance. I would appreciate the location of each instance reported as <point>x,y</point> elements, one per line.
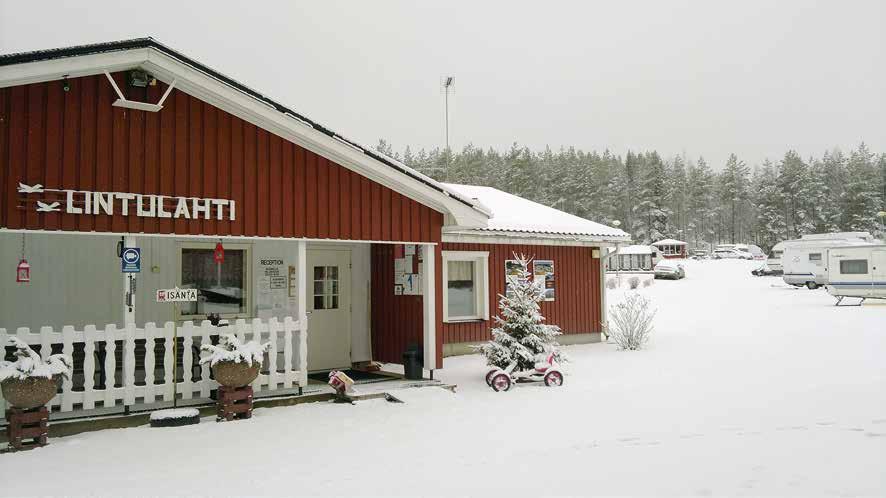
<point>815,256</point>
<point>465,296</point>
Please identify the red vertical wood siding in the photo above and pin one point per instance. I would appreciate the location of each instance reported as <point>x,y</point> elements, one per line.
<point>77,140</point>
<point>576,308</point>
<point>397,321</point>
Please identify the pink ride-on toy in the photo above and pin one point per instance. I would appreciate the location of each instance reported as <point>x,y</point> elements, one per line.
<point>546,370</point>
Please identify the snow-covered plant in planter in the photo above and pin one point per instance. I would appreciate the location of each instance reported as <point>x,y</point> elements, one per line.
<point>29,382</point>
<point>234,364</point>
<point>630,321</point>
<point>520,335</point>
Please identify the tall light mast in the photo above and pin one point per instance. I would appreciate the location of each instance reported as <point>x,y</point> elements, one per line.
<point>448,81</point>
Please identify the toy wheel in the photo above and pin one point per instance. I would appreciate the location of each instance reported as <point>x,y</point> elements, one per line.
<point>501,382</point>
<point>489,376</point>
<point>553,378</point>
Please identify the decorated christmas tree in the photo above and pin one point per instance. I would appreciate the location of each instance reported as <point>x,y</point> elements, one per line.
<point>520,334</point>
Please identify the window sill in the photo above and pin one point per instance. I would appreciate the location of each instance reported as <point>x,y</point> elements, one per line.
<point>464,319</point>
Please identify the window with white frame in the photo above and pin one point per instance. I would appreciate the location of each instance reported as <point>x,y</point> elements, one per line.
<point>223,287</point>
<point>466,296</point>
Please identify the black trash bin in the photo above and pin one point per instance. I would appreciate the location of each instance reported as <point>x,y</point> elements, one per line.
<point>412,363</point>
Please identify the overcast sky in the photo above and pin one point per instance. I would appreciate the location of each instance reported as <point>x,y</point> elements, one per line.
<point>701,78</point>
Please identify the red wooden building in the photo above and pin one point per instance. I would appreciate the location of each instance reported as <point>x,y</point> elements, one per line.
<point>133,142</point>
<point>671,248</point>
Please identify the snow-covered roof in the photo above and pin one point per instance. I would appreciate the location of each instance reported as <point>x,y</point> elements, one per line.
<point>669,242</point>
<point>838,236</point>
<point>510,213</point>
<point>635,249</point>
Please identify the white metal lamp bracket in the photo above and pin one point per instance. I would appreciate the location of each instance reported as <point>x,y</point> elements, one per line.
<point>141,106</point>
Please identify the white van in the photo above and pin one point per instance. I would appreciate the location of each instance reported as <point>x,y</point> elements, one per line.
<point>857,271</point>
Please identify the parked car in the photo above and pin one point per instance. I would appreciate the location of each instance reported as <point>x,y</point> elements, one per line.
<point>669,269</point>
<point>700,254</point>
<point>732,254</point>
<point>756,252</point>
<point>763,271</point>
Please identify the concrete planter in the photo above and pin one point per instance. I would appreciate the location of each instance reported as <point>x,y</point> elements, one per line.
<point>32,392</point>
<point>233,374</point>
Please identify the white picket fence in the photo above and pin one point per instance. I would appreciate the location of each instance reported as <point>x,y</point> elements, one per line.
<point>148,383</point>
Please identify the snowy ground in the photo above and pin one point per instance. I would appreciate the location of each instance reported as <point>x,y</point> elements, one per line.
<point>748,387</point>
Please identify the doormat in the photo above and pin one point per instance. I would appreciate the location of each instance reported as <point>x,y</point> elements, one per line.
<point>359,377</point>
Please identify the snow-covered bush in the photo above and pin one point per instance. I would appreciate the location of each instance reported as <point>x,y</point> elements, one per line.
<point>28,364</point>
<point>520,335</point>
<point>630,321</point>
<point>634,282</point>
<point>647,282</point>
<point>611,283</point>
<point>231,349</point>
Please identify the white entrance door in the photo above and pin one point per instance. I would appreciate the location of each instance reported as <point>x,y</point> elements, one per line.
<point>329,302</point>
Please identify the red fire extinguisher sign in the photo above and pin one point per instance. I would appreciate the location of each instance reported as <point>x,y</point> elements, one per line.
<point>219,254</point>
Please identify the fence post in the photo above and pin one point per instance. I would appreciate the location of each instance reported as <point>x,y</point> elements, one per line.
<point>68,382</point>
<point>150,361</point>
<point>257,327</point>
<point>110,364</point>
<point>287,353</point>
<point>89,395</point>
<point>187,335</point>
<point>303,352</point>
<point>206,330</point>
<point>128,376</point>
<point>168,359</point>
<point>273,329</point>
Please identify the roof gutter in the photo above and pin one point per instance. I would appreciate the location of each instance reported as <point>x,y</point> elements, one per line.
<point>481,236</point>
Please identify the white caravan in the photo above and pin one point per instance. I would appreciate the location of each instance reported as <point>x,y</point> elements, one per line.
<point>774,260</point>
<point>803,261</point>
<point>857,271</point>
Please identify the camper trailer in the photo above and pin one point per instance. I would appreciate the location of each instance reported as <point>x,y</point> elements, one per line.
<point>803,260</point>
<point>774,260</point>
<point>857,271</point>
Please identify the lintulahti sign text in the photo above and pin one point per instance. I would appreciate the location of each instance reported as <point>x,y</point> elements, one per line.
<point>129,204</point>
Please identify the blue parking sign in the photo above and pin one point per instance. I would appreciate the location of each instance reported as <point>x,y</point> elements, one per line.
<point>131,259</point>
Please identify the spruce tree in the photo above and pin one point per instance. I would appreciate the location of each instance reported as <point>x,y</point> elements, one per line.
<point>653,213</point>
<point>733,193</point>
<point>520,334</point>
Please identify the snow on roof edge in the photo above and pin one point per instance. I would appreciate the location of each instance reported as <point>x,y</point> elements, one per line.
<point>511,213</point>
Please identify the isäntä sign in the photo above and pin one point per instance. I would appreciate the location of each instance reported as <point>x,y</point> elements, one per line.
<point>129,204</point>
<point>176,295</point>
